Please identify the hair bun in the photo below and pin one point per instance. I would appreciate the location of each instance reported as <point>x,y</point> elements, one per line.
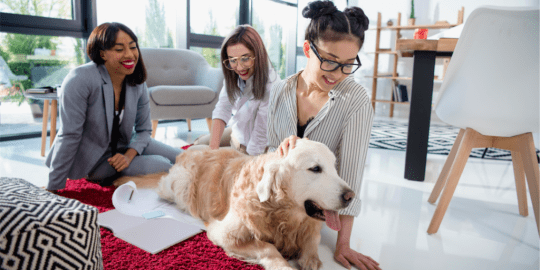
<point>318,8</point>
<point>357,14</point>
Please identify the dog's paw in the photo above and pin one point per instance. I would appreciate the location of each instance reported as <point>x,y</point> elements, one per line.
<point>310,263</point>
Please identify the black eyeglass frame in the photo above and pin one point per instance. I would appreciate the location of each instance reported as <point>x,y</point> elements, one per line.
<point>312,46</point>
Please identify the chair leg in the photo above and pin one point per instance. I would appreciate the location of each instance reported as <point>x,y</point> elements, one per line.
<point>154,127</point>
<point>188,121</point>
<point>528,153</point>
<point>443,177</point>
<point>44,127</point>
<point>456,170</point>
<point>519,176</point>
<point>54,114</point>
<point>209,123</point>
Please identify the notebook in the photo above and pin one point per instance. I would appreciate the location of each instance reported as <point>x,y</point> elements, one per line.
<point>154,233</point>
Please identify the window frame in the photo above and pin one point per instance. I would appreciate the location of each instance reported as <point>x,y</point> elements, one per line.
<point>84,21</point>
<point>244,17</point>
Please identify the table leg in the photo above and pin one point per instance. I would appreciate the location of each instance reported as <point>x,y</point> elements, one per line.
<point>54,113</point>
<point>419,115</point>
<point>44,128</point>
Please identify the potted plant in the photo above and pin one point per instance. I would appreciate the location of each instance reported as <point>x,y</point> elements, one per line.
<point>412,19</point>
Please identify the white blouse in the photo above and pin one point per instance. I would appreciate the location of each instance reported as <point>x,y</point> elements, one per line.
<point>247,116</point>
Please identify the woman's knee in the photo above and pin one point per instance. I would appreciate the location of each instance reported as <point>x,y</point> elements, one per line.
<point>161,149</point>
<point>149,164</point>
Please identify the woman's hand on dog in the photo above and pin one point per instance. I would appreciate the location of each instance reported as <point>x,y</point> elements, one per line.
<point>345,255</point>
<point>287,144</point>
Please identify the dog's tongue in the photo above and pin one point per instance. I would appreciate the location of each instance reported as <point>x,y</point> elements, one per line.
<point>332,220</point>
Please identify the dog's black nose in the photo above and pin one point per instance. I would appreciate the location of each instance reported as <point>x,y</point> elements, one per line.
<point>347,196</point>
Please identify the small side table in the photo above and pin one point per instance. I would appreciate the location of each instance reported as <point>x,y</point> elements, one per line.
<point>53,99</point>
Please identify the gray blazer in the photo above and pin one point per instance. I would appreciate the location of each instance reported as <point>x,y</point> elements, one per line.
<point>86,101</point>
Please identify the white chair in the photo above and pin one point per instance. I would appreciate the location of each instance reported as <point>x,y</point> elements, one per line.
<point>491,91</point>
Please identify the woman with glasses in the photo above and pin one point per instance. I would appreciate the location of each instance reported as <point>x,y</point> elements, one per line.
<point>325,104</point>
<point>243,101</point>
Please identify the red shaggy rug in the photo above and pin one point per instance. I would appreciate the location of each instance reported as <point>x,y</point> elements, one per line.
<point>196,252</point>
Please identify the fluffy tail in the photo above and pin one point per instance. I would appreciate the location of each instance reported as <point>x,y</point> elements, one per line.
<point>142,181</point>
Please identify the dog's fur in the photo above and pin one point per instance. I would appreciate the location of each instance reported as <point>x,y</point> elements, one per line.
<point>254,207</point>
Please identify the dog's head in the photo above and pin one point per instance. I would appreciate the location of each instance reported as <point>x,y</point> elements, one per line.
<point>313,181</point>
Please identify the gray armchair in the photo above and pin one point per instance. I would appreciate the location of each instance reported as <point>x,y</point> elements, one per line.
<point>181,85</point>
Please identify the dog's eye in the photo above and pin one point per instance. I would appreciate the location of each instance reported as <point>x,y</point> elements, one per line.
<point>315,169</point>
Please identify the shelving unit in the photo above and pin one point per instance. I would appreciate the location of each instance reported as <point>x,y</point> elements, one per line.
<point>393,75</point>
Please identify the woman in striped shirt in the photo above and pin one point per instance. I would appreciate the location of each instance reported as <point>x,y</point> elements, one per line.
<point>323,103</point>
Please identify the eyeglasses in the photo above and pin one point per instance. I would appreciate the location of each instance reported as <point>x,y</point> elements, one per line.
<point>245,61</point>
<point>329,65</point>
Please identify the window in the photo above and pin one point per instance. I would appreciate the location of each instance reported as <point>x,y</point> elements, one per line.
<point>60,18</point>
<point>152,21</point>
<point>40,41</point>
<point>205,34</point>
<point>205,15</point>
<point>34,61</point>
<point>276,32</point>
<point>60,9</point>
<point>212,55</point>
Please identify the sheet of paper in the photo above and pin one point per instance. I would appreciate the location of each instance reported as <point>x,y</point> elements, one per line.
<point>147,200</point>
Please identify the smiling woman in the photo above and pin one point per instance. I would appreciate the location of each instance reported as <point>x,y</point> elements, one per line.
<point>105,115</point>
<point>324,103</point>
<point>249,78</point>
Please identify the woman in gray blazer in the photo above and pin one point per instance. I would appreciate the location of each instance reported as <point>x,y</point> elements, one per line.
<point>105,121</point>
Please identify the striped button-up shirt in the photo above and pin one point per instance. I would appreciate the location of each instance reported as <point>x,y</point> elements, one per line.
<point>343,124</point>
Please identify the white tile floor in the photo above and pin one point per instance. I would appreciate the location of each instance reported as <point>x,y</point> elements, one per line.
<point>481,229</point>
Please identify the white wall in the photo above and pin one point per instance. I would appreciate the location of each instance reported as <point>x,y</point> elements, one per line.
<point>426,12</point>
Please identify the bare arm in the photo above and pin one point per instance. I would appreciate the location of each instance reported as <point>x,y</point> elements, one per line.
<point>344,254</point>
<point>218,126</point>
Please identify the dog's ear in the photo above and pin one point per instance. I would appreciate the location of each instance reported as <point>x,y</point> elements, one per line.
<point>264,187</point>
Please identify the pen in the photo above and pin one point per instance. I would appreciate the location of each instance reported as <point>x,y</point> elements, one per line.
<point>129,200</point>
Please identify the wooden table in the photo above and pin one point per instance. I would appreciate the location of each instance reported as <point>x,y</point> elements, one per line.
<point>424,52</point>
<point>54,104</point>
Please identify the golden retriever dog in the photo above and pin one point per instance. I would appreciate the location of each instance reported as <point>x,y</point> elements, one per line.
<point>260,209</point>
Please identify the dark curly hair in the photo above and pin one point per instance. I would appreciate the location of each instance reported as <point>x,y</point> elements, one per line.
<point>330,24</point>
<point>103,38</point>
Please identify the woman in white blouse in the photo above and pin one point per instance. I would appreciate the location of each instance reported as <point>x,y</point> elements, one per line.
<point>323,103</point>
<point>243,101</point>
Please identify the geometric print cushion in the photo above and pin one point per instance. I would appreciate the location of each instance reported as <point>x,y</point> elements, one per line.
<point>40,230</point>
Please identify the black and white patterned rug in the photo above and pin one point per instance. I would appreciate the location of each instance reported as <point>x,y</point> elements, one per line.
<point>392,135</point>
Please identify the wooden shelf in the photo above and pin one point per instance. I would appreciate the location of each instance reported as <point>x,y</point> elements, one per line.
<point>390,77</point>
<point>384,52</point>
<point>390,101</point>
<point>393,75</point>
<point>400,78</point>
<point>413,27</point>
